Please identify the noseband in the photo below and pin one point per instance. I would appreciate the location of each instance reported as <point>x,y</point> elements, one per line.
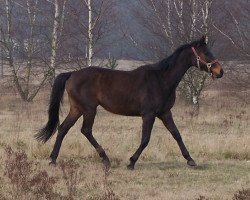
<point>198,58</point>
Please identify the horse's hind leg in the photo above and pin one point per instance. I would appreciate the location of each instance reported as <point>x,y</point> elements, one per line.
<point>87,131</point>
<point>63,129</point>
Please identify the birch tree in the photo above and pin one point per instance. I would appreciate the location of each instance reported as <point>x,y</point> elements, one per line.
<point>22,80</point>
<point>194,81</point>
<point>90,33</point>
<point>90,23</point>
<point>22,43</point>
<point>58,25</point>
<point>155,19</point>
<point>1,57</point>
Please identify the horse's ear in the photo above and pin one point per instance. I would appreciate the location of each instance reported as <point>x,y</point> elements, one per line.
<point>203,40</point>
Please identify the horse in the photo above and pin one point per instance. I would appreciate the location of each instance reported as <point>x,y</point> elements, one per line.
<point>148,92</point>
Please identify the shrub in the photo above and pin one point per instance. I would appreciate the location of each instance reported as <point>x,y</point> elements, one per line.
<point>42,185</point>
<point>71,175</point>
<point>201,198</point>
<point>112,63</point>
<point>25,179</point>
<point>243,194</point>
<point>18,170</point>
<point>108,192</point>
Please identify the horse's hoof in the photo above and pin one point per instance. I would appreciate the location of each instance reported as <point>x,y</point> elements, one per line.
<point>191,163</point>
<point>107,164</point>
<point>131,167</point>
<point>52,163</point>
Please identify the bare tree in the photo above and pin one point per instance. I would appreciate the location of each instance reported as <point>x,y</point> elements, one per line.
<point>90,33</point>
<point>22,42</point>
<point>90,24</point>
<point>58,25</point>
<point>34,46</point>
<point>194,81</point>
<point>237,32</point>
<point>1,58</point>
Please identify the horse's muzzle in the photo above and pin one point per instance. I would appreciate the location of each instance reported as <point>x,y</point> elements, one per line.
<point>220,75</point>
<point>217,71</point>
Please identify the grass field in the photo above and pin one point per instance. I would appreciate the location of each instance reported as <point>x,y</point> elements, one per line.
<point>218,139</point>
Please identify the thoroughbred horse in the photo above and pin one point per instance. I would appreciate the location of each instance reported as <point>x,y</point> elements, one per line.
<point>148,91</point>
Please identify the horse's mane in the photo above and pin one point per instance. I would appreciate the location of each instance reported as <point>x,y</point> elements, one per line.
<point>171,60</point>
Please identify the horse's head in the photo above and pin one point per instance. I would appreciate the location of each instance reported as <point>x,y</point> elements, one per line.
<point>204,59</point>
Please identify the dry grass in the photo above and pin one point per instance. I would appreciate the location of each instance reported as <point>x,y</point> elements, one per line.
<point>218,138</point>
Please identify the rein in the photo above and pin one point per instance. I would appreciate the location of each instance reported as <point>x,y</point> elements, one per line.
<point>198,58</point>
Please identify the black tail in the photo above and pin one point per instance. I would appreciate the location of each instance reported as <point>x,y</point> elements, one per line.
<point>55,99</point>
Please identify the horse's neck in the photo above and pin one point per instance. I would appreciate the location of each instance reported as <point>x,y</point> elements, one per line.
<point>173,75</point>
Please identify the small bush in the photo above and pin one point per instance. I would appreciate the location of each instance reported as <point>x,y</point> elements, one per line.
<point>108,193</point>
<point>25,179</point>
<point>243,194</point>
<point>18,170</point>
<point>42,185</point>
<point>71,175</point>
<point>112,63</point>
<point>201,198</point>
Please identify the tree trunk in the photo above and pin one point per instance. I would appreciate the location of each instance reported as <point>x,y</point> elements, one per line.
<point>2,72</point>
<point>21,81</point>
<point>90,35</point>
<point>54,40</point>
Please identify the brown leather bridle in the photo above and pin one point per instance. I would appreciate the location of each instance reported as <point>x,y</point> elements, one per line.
<point>198,58</point>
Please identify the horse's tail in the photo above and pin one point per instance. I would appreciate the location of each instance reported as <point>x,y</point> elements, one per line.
<point>55,99</point>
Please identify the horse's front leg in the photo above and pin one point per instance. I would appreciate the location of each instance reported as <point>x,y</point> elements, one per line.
<point>168,121</point>
<point>147,124</point>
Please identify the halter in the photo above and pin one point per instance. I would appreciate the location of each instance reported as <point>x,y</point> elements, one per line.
<point>198,58</point>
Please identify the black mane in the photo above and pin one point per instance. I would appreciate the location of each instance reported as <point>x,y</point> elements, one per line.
<point>171,60</point>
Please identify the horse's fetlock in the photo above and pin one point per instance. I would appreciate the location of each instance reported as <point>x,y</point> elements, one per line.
<point>132,160</point>
<point>187,156</point>
<point>101,151</point>
<point>53,157</point>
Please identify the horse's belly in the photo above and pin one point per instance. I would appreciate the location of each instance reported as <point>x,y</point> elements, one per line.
<point>121,106</point>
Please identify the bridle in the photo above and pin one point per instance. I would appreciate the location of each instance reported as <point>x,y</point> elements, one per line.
<point>198,59</point>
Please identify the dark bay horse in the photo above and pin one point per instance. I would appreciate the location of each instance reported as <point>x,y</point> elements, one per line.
<point>148,92</point>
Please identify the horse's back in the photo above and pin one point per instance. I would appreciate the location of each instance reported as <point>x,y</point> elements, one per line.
<point>102,77</point>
